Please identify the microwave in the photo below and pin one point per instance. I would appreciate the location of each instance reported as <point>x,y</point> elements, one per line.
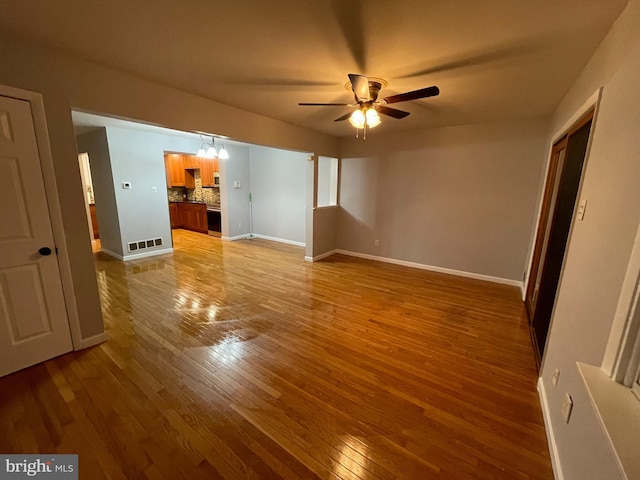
<point>216,179</point>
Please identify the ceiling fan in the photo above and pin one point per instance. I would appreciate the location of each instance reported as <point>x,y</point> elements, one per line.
<point>365,90</point>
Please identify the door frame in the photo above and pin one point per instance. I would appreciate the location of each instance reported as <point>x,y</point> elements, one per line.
<point>36,102</point>
<point>593,103</point>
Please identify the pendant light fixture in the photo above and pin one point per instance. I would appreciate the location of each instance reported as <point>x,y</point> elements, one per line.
<point>208,150</point>
<point>211,152</point>
<point>223,154</point>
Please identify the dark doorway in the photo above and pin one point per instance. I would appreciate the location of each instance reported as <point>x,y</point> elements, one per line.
<point>561,190</point>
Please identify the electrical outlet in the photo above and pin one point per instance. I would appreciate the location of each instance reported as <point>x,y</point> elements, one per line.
<point>377,243</point>
<point>556,375</point>
<point>567,406</point>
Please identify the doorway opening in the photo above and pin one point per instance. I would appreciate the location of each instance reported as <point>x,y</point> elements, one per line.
<point>558,205</point>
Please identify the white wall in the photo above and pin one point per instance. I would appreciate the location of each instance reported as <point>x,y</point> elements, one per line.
<point>138,157</point>
<point>95,144</point>
<point>461,198</point>
<point>235,201</point>
<point>599,247</point>
<point>278,188</point>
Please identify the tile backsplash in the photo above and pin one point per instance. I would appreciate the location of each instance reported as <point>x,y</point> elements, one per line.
<point>209,195</point>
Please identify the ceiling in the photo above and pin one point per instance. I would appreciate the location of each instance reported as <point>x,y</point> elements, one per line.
<point>493,60</point>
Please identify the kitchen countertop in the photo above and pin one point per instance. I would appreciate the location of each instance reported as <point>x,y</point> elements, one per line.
<point>210,208</point>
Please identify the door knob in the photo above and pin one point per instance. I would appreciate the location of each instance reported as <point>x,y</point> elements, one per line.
<point>44,251</point>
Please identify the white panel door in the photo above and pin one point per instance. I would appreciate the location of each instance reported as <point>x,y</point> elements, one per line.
<point>33,319</point>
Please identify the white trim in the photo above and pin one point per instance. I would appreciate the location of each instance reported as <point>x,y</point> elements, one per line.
<point>618,412</point>
<point>624,329</point>
<point>111,254</point>
<point>281,240</point>
<point>551,439</point>
<point>151,253</point>
<point>95,340</point>
<point>326,207</point>
<point>421,266</point>
<point>592,102</point>
<point>321,256</point>
<point>237,237</point>
<point>55,211</point>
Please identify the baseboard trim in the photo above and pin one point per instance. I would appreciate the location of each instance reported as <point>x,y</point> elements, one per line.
<point>421,266</point>
<point>551,439</point>
<point>237,237</point>
<point>281,240</point>
<point>151,253</point>
<point>111,254</point>
<point>95,340</point>
<point>321,256</point>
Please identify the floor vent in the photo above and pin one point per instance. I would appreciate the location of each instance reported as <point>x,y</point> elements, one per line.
<point>143,244</point>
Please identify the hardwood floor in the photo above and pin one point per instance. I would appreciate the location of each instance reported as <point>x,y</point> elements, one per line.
<point>241,360</point>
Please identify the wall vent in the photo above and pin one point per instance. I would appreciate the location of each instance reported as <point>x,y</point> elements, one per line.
<point>144,244</point>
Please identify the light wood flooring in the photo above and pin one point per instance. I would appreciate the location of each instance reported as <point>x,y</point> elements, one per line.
<point>241,360</point>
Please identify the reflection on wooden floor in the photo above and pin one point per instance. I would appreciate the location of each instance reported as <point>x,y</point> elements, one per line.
<point>241,360</point>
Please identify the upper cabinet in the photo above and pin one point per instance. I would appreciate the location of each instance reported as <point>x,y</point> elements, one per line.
<point>192,162</point>
<point>180,170</point>
<point>207,171</point>
<point>174,168</point>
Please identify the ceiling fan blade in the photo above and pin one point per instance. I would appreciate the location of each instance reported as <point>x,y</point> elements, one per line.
<point>324,104</point>
<point>360,86</point>
<point>344,117</point>
<point>392,112</point>
<point>414,95</point>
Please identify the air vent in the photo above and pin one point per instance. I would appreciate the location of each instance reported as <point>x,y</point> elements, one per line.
<point>144,244</point>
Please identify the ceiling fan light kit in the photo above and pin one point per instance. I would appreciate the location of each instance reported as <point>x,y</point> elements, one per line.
<point>365,91</point>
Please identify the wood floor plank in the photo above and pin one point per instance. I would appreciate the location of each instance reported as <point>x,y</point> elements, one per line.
<point>240,360</point>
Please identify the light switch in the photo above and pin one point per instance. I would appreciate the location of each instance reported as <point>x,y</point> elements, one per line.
<point>237,184</point>
<point>126,185</point>
<point>581,208</point>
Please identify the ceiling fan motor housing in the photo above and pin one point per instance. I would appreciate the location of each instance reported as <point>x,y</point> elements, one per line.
<point>374,89</point>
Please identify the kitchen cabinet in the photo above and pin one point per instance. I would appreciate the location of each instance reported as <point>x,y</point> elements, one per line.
<point>207,172</point>
<point>94,221</point>
<point>174,215</point>
<point>174,168</point>
<point>192,162</point>
<point>190,216</point>
<point>177,175</point>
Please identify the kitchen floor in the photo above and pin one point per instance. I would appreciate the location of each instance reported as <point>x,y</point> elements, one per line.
<point>241,360</point>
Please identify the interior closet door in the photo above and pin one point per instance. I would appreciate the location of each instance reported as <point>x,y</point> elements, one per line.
<point>556,163</point>
<point>561,193</point>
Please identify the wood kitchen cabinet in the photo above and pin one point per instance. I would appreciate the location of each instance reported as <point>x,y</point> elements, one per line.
<point>177,175</point>
<point>192,162</point>
<point>174,215</point>
<point>207,172</point>
<point>174,168</point>
<point>190,216</point>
